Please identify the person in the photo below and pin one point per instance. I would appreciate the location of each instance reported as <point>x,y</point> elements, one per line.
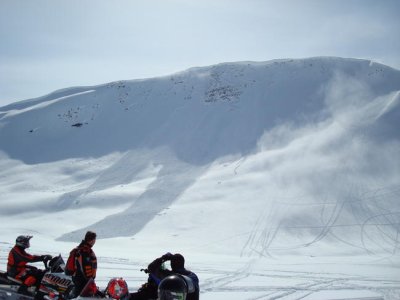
<point>86,263</point>
<point>157,272</point>
<point>172,287</point>
<point>18,268</point>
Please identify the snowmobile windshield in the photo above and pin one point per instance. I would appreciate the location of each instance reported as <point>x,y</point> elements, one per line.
<point>163,266</point>
<point>57,265</point>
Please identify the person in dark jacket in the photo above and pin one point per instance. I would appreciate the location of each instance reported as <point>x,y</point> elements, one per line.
<point>18,268</point>
<point>157,272</point>
<point>86,263</point>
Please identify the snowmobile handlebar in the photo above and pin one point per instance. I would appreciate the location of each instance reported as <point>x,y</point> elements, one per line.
<point>46,260</point>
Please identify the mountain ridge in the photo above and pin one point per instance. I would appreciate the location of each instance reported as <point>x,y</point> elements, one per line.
<point>220,85</point>
<point>289,146</point>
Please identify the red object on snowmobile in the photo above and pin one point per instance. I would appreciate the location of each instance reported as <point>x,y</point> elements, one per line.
<point>117,288</point>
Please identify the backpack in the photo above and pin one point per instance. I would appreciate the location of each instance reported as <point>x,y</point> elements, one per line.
<point>70,266</point>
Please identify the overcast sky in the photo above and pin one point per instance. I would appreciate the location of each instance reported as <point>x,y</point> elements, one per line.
<point>51,44</point>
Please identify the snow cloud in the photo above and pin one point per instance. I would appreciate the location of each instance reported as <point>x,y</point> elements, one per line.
<point>336,179</point>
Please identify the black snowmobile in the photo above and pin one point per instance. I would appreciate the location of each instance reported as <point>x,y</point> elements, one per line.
<point>149,290</point>
<point>54,284</point>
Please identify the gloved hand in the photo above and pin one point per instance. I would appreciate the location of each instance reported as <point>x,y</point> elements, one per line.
<point>166,256</point>
<point>45,257</point>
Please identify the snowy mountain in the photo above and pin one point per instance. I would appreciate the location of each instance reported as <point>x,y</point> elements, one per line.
<point>252,160</point>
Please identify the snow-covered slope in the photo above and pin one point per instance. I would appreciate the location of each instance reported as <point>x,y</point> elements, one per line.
<point>286,157</point>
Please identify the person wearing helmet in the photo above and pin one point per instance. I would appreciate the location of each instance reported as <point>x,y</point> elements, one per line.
<point>18,268</point>
<point>172,287</point>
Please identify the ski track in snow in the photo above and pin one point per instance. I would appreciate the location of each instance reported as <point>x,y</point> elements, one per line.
<point>218,280</point>
<point>221,282</point>
<point>263,233</point>
<point>312,283</point>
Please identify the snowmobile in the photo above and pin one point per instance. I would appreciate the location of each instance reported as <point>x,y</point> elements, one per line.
<point>55,285</point>
<point>149,290</point>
